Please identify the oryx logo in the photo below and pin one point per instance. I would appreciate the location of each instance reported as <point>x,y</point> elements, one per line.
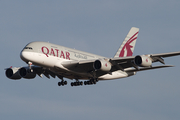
<point>127,47</point>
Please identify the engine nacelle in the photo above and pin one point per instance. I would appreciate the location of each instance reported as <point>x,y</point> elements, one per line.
<point>143,61</point>
<point>12,73</point>
<point>102,65</point>
<point>26,73</point>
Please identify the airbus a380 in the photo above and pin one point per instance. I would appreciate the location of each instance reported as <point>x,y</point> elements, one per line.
<point>48,59</point>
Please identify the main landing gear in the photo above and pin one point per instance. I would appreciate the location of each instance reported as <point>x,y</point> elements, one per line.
<point>89,82</point>
<point>62,83</point>
<point>77,83</point>
<point>80,83</point>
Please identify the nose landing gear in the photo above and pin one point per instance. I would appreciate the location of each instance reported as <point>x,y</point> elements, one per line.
<point>30,68</point>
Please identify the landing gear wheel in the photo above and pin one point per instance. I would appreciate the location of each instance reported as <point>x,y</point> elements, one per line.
<point>59,83</point>
<point>94,82</point>
<point>62,83</point>
<point>81,83</point>
<point>65,82</point>
<point>91,81</point>
<point>85,82</point>
<point>78,83</point>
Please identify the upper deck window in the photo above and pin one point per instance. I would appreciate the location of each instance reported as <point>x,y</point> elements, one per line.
<point>30,48</point>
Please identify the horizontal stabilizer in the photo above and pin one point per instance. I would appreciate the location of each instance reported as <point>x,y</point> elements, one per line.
<point>147,68</point>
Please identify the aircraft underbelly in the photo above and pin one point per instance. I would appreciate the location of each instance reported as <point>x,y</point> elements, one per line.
<point>115,75</point>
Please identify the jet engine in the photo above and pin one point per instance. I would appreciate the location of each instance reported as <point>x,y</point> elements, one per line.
<point>102,65</point>
<point>25,72</point>
<point>13,73</point>
<point>143,61</point>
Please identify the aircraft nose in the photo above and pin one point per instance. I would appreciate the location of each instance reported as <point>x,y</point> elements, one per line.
<point>23,55</point>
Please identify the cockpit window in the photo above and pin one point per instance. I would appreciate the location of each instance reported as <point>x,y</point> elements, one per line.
<point>30,48</point>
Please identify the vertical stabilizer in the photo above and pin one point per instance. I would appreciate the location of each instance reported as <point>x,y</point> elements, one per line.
<point>128,45</point>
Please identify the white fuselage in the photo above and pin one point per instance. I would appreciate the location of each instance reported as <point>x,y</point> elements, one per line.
<point>49,55</point>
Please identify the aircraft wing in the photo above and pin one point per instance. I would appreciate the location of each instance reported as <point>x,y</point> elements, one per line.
<point>83,66</point>
<point>147,68</point>
<point>119,63</point>
<point>153,57</point>
<point>119,59</point>
<point>166,54</point>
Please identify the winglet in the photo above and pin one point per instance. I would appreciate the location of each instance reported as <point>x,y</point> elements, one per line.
<point>128,45</point>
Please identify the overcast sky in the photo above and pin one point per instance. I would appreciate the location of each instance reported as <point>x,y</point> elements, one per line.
<point>99,27</point>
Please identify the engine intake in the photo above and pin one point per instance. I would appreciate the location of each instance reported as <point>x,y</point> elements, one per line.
<point>143,61</point>
<point>12,73</point>
<point>102,65</point>
<point>26,73</point>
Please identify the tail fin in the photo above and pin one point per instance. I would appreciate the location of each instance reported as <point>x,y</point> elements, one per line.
<point>128,45</point>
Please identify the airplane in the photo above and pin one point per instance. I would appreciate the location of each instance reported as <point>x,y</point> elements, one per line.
<point>44,58</point>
